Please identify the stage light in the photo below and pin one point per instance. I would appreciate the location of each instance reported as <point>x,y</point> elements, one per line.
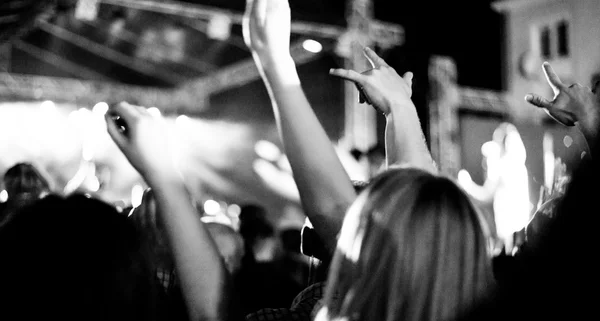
<point>73,116</point>
<point>267,150</point>
<point>137,192</point>
<point>219,27</point>
<point>568,141</point>
<point>100,108</point>
<point>48,105</point>
<point>312,46</point>
<point>3,196</point>
<point>234,210</point>
<point>94,184</point>
<point>464,179</point>
<point>154,111</point>
<point>212,207</point>
<point>548,154</point>
<point>182,120</point>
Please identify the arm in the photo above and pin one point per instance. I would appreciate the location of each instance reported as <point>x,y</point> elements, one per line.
<point>390,94</point>
<point>324,186</point>
<point>199,266</point>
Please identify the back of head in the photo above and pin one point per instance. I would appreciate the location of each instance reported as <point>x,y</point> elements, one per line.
<point>24,178</point>
<point>229,243</point>
<point>152,232</point>
<point>24,183</point>
<point>412,247</point>
<point>74,259</point>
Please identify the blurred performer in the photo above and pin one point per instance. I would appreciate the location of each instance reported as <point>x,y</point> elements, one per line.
<point>506,185</point>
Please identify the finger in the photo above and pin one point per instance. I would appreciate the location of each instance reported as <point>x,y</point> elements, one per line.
<point>408,77</point>
<point>125,110</point>
<point>277,6</point>
<point>552,77</point>
<point>375,60</point>
<point>260,9</point>
<point>538,101</point>
<point>249,6</point>
<point>115,132</point>
<point>361,94</point>
<point>348,75</point>
<point>563,117</point>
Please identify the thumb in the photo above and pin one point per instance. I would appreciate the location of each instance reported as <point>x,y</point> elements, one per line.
<point>408,77</point>
<point>538,101</point>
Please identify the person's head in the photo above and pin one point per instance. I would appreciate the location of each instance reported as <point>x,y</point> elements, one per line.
<point>412,247</point>
<point>24,184</point>
<point>24,180</point>
<point>229,243</point>
<point>152,231</point>
<point>258,233</point>
<point>74,258</point>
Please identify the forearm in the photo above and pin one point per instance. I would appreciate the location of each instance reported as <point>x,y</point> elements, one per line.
<point>325,188</point>
<point>201,272</point>
<point>405,141</point>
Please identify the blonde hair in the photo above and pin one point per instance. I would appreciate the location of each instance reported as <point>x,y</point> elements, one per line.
<point>412,247</point>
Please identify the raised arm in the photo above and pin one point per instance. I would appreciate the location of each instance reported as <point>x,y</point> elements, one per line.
<point>325,188</point>
<point>390,93</point>
<point>144,141</point>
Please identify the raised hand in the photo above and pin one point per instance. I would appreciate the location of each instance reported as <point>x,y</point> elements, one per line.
<point>380,86</point>
<point>572,105</point>
<point>143,138</point>
<point>266,27</point>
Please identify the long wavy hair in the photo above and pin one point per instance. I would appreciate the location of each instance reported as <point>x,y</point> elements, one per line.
<point>412,247</point>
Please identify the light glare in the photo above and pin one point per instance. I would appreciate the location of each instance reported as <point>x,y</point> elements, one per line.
<point>267,150</point>
<point>212,207</point>
<point>312,46</point>
<point>154,111</point>
<point>100,108</point>
<point>137,192</point>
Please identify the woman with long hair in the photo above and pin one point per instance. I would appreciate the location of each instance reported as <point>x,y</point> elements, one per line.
<point>412,247</point>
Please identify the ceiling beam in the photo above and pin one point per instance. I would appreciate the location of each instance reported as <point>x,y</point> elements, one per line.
<point>197,11</point>
<point>114,56</point>
<point>241,73</point>
<point>88,93</point>
<point>59,61</point>
<point>132,38</point>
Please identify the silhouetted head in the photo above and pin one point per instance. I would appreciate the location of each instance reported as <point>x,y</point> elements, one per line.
<point>229,243</point>
<point>23,180</point>
<point>412,247</point>
<point>152,232</point>
<point>74,258</point>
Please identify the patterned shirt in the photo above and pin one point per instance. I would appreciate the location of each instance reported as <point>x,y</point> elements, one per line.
<point>301,309</point>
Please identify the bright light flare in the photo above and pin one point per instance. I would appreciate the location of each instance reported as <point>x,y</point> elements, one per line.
<point>137,193</point>
<point>311,45</point>
<point>48,105</point>
<point>267,150</point>
<point>182,121</point>
<point>154,111</point>
<point>212,207</point>
<point>100,108</point>
<point>234,210</point>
